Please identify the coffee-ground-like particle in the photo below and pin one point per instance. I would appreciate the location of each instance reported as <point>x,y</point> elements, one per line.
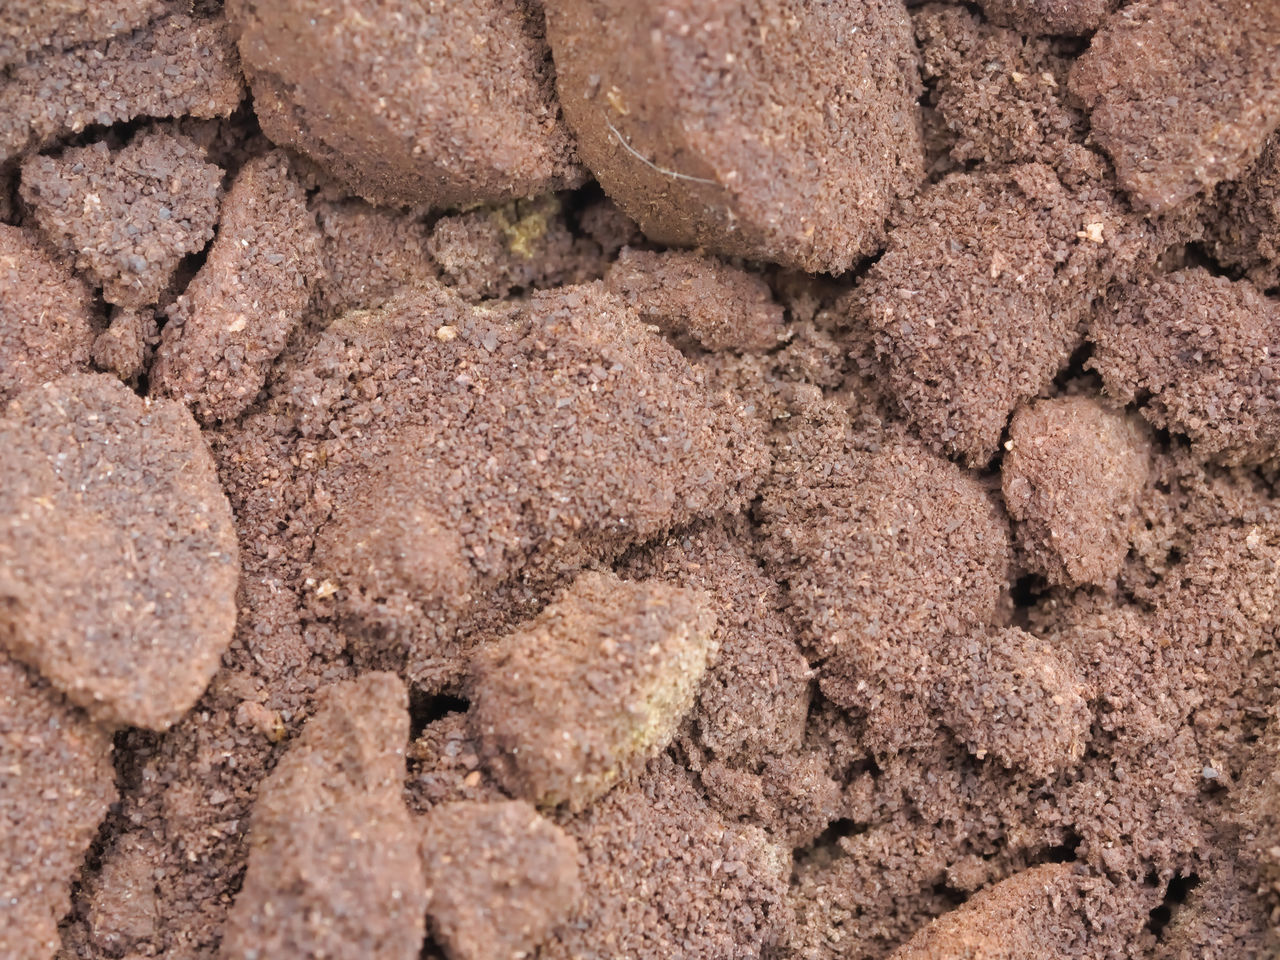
<point>1245,233</point>
<point>579,698</point>
<point>482,125</point>
<point>445,766</point>
<point>1182,93</point>
<point>1049,17</point>
<point>176,66</point>
<point>1039,912</point>
<point>884,553</point>
<point>236,315</point>
<point>1199,353</point>
<point>126,217</point>
<point>521,245</point>
<point>665,875</point>
<point>46,315</point>
<point>1072,472</point>
<point>28,27</point>
<point>56,785</point>
<point>978,301</point>
<point>529,437</point>
<point>124,348</point>
<point>735,127</point>
<point>500,877</point>
<point>1011,695</point>
<point>118,558</point>
<point>334,866</point>
<point>690,296</point>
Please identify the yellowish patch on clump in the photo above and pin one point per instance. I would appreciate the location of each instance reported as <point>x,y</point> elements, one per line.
<point>524,223</point>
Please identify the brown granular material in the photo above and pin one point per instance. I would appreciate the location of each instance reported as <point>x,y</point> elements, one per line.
<point>236,315</point>
<point>1245,234</point>
<point>177,65</point>
<point>884,552</point>
<point>528,437</point>
<point>1198,353</point>
<point>739,129</point>
<point>686,295</point>
<point>46,316</point>
<point>56,787</point>
<point>1072,473</point>
<point>126,217</point>
<point>484,446</point>
<point>334,868</point>
<point>29,26</point>
<point>519,246</point>
<point>481,125</point>
<point>665,875</point>
<point>1037,912</point>
<point>977,302</point>
<point>581,697</point>
<point>1182,93</point>
<point>1049,17</point>
<point>367,254</point>
<point>1001,96</point>
<point>499,876</point>
<point>118,561</point>
<point>125,347</point>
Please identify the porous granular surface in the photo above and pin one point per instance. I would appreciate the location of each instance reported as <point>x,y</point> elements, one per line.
<point>126,217</point>
<point>58,783</point>
<point>500,878</point>
<point>118,559</point>
<point>46,315</point>
<point>480,121</point>
<point>1182,93</point>
<point>1072,473</point>
<point>334,869</point>
<point>573,479</point>
<point>237,313</point>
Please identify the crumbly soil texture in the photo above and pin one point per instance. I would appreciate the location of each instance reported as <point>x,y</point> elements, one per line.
<point>585,479</point>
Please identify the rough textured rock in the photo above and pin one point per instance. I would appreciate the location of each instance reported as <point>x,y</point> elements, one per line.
<point>1072,473</point>
<point>56,787</point>
<point>1009,694</point>
<point>236,315</point>
<point>176,66</point>
<point>1032,913</point>
<point>578,699</point>
<point>500,879</point>
<point>126,217</point>
<point>46,316</point>
<point>482,125</point>
<point>1182,93</point>
<point>118,558</point>
<point>1199,353</point>
<point>334,867</point>
<point>736,127</point>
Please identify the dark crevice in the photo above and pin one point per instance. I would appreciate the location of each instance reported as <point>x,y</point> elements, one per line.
<point>1175,895</point>
<point>426,708</point>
